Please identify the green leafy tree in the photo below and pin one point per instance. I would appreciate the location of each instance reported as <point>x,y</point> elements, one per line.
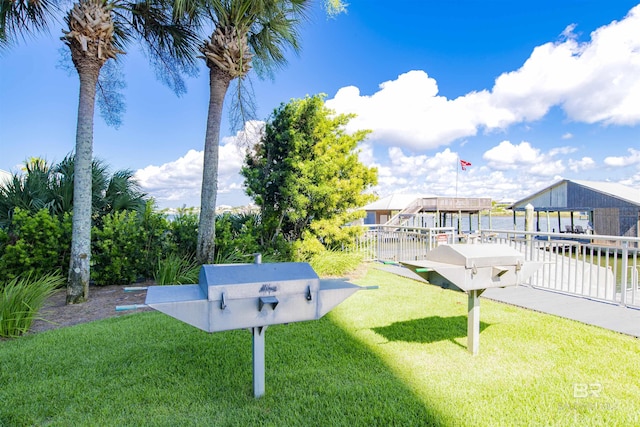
<point>24,17</point>
<point>30,191</point>
<point>305,173</point>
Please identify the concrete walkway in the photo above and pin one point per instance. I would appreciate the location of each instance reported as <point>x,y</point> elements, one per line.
<point>610,316</point>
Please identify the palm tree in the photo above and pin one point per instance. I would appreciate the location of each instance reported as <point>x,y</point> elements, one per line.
<point>24,17</point>
<point>30,191</point>
<point>244,31</point>
<point>42,185</point>
<point>97,31</point>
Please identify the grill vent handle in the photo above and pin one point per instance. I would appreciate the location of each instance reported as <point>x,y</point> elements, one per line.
<point>270,300</point>
<point>223,304</point>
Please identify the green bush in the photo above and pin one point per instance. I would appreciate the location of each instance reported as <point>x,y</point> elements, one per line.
<point>35,244</point>
<point>128,246</point>
<point>236,237</point>
<point>307,247</point>
<point>332,231</point>
<point>184,232</point>
<point>175,270</point>
<point>21,299</point>
<point>116,249</point>
<point>154,237</point>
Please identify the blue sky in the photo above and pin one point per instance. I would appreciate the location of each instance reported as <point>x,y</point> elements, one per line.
<point>529,92</point>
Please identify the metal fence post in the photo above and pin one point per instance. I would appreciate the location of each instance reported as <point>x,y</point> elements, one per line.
<point>623,273</point>
<point>528,227</point>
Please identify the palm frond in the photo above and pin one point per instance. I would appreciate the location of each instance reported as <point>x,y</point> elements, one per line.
<point>20,18</point>
<point>169,37</point>
<point>276,31</point>
<point>109,94</point>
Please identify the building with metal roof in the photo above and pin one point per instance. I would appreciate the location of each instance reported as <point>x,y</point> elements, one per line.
<point>613,209</point>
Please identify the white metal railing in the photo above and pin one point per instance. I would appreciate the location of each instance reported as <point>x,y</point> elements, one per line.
<point>393,243</point>
<point>599,267</point>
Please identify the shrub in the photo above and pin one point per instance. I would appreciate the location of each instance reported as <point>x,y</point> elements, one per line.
<point>128,246</point>
<point>332,232</point>
<point>176,270</point>
<point>307,247</point>
<point>116,250</point>
<point>21,299</point>
<point>236,237</point>
<point>36,244</point>
<point>184,232</point>
<point>154,238</point>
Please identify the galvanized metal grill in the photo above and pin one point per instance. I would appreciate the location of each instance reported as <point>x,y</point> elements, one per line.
<point>472,268</point>
<point>254,296</point>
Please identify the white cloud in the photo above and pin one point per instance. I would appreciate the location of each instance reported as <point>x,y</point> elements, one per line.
<point>547,168</point>
<point>597,81</point>
<point>506,156</point>
<point>173,180</point>
<point>365,154</point>
<point>593,82</point>
<point>409,112</point>
<point>562,150</point>
<point>439,174</point>
<point>181,180</point>
<point>525,158</point>
<point>568,32</point>
<point>582,164</point>
<point>632,158</point>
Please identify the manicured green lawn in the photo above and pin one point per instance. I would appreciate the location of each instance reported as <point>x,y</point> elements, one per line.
<point>392,356</point>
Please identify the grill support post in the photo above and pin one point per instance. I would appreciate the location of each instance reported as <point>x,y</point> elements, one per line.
<point>473,321</point>
<point>258,359</point>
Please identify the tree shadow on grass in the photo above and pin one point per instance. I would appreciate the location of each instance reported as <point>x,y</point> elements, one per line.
<point>428,330</point>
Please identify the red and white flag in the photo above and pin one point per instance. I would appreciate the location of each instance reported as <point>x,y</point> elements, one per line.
<point>464,164</point>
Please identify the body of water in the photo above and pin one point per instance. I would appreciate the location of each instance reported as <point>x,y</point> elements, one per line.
<point>506,222</point>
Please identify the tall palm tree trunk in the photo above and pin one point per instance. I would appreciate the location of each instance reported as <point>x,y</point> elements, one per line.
<point>90,40</point>
<point>218,84</point>
<point>78,285</point>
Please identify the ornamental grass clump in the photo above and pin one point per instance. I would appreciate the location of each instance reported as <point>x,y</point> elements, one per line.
<point>176,270</point>
<point>20,300</point>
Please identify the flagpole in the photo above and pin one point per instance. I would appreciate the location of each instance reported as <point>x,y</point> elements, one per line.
<point>457,167</point>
